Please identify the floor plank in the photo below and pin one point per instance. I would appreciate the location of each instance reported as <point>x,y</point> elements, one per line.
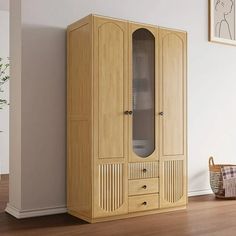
<point>205,216</point>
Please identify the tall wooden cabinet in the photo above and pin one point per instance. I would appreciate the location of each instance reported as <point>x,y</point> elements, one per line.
<point>126,119</point>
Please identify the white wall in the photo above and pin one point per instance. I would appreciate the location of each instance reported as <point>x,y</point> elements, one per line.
<point>211,89</point>
<point>4,114</point>
<point>4,5</point>
<point>15,187</point>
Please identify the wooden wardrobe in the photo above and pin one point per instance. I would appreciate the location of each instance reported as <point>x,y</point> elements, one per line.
<point>126,119</point>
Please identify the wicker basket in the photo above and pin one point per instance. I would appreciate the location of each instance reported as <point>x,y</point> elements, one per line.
<point>216,179</point>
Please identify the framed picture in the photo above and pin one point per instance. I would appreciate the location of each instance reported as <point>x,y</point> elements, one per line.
<point>222,21</point>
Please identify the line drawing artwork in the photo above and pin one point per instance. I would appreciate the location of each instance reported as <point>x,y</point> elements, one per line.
<point>225,19</point>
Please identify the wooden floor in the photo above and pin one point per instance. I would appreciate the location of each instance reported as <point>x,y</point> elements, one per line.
<point>205,216</point>
<point>3,192</point>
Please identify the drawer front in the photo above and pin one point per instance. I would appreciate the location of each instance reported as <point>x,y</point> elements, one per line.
<point>143,186</point>
<point>142,170</point>
<point>143,203</point>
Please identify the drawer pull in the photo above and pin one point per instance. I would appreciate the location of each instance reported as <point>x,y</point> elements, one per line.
<point>144,203</point>
<point>144,170</point>
<point>144,186</point>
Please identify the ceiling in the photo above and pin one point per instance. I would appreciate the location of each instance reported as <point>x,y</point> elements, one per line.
<point>4,5</point>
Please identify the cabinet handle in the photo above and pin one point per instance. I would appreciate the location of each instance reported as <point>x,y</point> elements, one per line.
<point>161,113</point>
<point>130,112</point>
<point>144,170</point>
<point>144,186</point>
<point>144,203</point>
<point>126,112</point>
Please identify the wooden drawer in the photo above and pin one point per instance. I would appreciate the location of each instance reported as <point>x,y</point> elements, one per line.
<point>143,202</point>
<point>143,186</point>
<point>142,170</point>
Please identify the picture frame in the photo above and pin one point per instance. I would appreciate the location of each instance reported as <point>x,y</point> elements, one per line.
<point>222,21</point>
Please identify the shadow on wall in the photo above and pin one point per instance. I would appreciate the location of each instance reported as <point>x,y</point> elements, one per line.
<point>199,178</point>
<point>43,115</point>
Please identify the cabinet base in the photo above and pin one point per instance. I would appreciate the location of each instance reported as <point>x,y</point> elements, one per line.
<point>125,216</point>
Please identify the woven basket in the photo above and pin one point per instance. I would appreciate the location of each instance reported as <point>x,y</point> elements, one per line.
<point>216,179</point>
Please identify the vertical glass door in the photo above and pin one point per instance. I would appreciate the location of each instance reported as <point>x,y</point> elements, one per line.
<point>143,92</point>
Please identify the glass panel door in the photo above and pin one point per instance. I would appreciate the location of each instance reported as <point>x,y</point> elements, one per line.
<point>143,92</point>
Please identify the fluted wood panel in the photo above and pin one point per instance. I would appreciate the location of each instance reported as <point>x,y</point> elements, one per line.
<point>111,186</point>
<point>173,123</point>
<point>137,170</point>
<point>173,180</point>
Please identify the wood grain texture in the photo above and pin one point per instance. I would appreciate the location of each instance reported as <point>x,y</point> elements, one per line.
<point>142,170</point>
<point>173,179</point>
<point>110,123</point>
<point>173,123</point>
<point>127,216</point>
<point>143,202</point>
<point>79,118</point>
<point>4,189</point>
<point>110,67</point>
<point>110,194</point>
<point>173,79</point>
<point>111,181</point>
<point>143,186</point>
<point>201,218</point>
<point>101,160</point>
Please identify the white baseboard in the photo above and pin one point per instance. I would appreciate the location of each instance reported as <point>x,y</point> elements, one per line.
<point>199,192</point>
<point>21,214</point>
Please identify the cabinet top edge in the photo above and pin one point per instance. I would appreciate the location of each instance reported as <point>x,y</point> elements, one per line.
<point>123,20</point>
<point>91,16</point>
<point>80,22</point>
<point>172,29</point>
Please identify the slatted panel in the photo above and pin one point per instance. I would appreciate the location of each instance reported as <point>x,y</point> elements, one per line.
<point>111,186</point>
<point>136,170</point>
<point>173,180</point>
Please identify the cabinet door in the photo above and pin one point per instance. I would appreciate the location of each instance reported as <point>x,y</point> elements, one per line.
<point>143,123</point>
<point>173,148</point>
<point>111,189</point>
<point>110,88</point>
<point>110,122</point>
